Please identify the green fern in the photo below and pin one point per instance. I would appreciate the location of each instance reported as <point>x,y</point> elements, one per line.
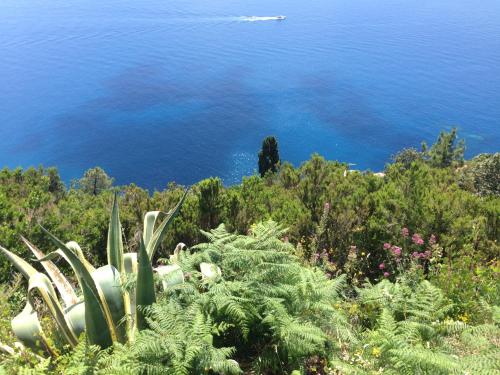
<point>266,310</point>
<point>413,335</point>
<point>81,360</point>
<point>278,312</point>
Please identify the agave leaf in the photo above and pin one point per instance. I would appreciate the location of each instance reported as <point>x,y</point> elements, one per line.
<point>159,233</point>
<point>108,280</point>
<point>28,330</point>
<point>145,291</point>
<point>60,254</point>
<point>75,315</point>
<point>66,291</point>
<point>116,260</point>
<point>115,241</point>
<point>98,320</point>
<point>130,260</point>
<point>97,327</point>
<point>170,275</point>
<point>72,245</point>
<point>22,266</point>
<point>149,226</point>
<point>209,271</point>
<point>174,258</point>
<point>40,283</point>
<point>7,349</point>
<point>108,286</point>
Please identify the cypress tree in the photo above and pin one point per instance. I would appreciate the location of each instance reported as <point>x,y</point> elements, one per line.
<point>269,157</point>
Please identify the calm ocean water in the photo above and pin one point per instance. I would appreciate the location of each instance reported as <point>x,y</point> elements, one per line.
<point>155,91</point>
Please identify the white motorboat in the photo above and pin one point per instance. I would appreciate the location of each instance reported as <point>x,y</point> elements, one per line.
<point>259,18</point>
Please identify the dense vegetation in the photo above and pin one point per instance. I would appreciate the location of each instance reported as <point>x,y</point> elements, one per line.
<point>392,273</point>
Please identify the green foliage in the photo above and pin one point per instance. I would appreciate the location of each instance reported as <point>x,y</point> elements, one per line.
<point>447,151</point>
<point>56,185</point>
<point>481,175</point>
<point>12,301</point>
<point>276,302</point>
<point>95,181</point>
<point>409,332</point>
<point>265,310</point>
<point>364,211</point>
<point>106,312</point>
<point>210,191</point>
<point>269,157</point>
<point>407,156</point>
<point>82,360</point>
<point>472,286</point>
<point>266,300</point>
<point>180,341</point>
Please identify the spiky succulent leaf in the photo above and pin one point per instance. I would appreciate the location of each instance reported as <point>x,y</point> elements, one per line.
<point>159,233</point>
<point>108,282</point>
<point>66,291</point>
<point>115,241</point>
<point>26,326</point>
<point>98,320</point>
<point>39,283</point>
<point>170,275</point>
<point>22,266</point>
<point>209,271</point>
<point>145,291</point>
<point>149,226</point>
<point>75,316</point>
<point>130,261</point>
<point>72,245</point>
<point>174,258</point>
<point>97,327</point>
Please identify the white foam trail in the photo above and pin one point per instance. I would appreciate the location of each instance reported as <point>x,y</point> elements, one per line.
<point>257,18</point>
<point>226,19</point>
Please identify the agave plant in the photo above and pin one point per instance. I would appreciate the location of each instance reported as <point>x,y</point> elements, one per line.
<point>106,310</point>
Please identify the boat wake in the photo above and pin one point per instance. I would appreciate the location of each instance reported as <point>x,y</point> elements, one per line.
<point>257,18</point>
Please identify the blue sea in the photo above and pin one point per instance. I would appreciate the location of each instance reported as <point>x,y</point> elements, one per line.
<point>156,91</point>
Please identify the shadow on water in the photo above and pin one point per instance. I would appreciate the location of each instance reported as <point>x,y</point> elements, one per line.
<point>148,129</point>
<point>352,119</point>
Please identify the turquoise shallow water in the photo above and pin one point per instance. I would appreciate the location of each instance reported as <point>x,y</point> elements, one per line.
<point>155,91</point>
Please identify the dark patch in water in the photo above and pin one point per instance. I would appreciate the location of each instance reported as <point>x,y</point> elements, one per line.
<point>347,110</point>
<point>114,132</point>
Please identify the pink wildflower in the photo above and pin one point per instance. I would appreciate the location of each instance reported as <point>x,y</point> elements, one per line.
<point>414,254</point>
<point>405,232</point>
<point>396,250</point>
<point>386,274</point>
<point>381,266</point>
<point>387,246</point>
<point>428,254</point>
<point>417,240</point>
